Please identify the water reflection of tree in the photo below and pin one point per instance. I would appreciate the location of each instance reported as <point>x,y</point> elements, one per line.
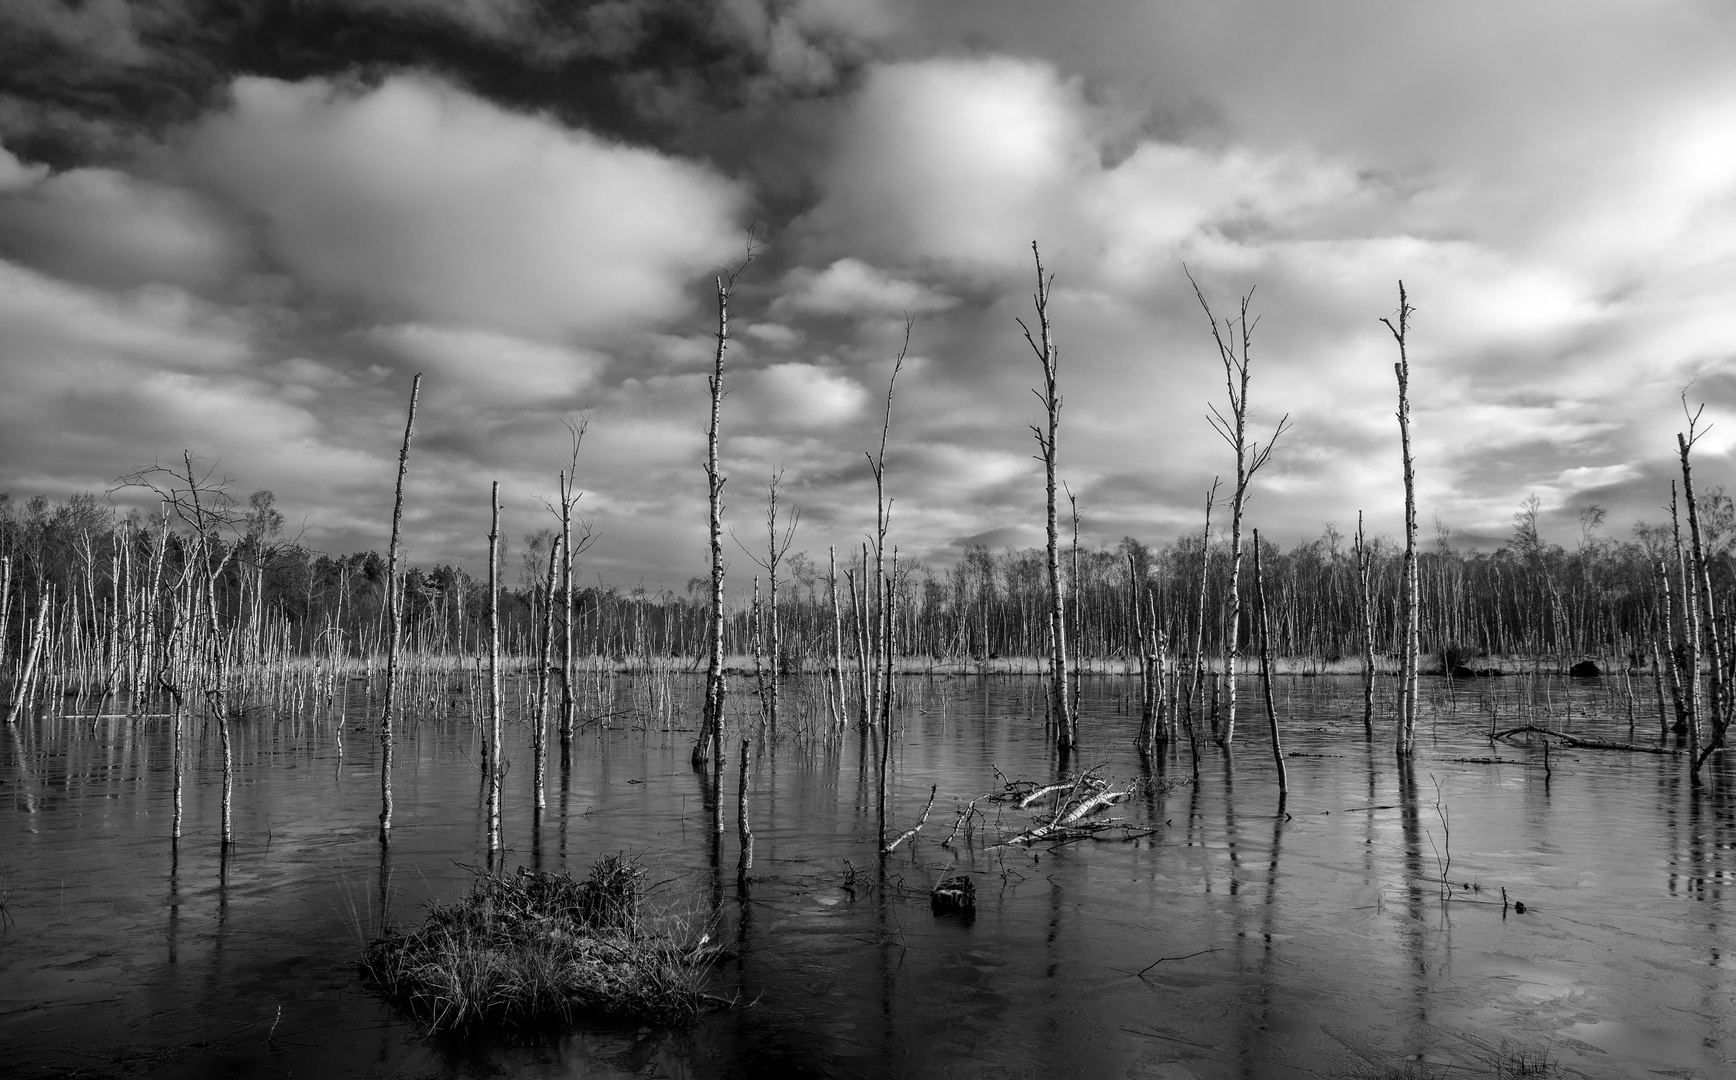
<point>1414,935</point>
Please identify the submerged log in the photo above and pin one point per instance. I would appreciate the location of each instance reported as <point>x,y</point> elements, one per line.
<point>1584,744</point>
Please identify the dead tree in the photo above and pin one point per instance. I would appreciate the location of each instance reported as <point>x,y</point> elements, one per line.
<point>1078,602</point>
<point>544,672</point>
<point>495,705</point>
<point>1700,600</point>
<point>882,520</point>
<point>777,545</point>
<point>570,551</point>
<point>1199,649</point>
<point>1265,629</point>
<point>1235,354</point>
<point>21,689</point>
<point>1407,694</point>
<point>1060,703</point>
<point>711,724</point>
<point>1365,596</point>
<point>394,601</point>
<point>836,682</point>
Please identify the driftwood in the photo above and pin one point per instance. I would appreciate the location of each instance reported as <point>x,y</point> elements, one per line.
<point>908,833</point>
<point>1042,792</point>
<point>1584,744</point>
<point>970,810</point>
<point>1085,795</point>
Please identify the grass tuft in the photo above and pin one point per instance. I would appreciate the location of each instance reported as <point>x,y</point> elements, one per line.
<point>533,949</point>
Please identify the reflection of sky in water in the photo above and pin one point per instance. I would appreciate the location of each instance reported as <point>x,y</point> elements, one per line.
<point>1232,941</point>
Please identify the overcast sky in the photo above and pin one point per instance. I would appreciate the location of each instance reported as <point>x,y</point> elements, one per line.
<point>240,228</point>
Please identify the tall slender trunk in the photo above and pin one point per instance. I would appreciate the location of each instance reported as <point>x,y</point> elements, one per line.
<point>1408,666</point>
<point>1199,647</point>
<point>1060,703</point>
<point>711,726</point>
<point>1364,567</point>
<point>495,705</point>
<point>837,675</point>
<point>567,666</point>
<point>545,671</point>
<point>1266,673</point>
<point>1236,355</point>
<point>21,690</point>
<point>1701,600</point>
<point>395,601</point>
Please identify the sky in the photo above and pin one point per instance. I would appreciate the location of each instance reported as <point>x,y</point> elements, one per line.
<point>238,229</point>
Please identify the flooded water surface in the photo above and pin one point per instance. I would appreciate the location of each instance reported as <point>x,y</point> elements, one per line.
<point>1223,934</point>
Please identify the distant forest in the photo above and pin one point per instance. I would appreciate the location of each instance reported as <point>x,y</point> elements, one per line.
<point>1602,597</point>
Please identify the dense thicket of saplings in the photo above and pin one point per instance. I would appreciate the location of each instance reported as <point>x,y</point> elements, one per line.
<point>103,581</point>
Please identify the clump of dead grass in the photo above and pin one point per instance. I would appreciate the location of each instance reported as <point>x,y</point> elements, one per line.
<point>534,949</point>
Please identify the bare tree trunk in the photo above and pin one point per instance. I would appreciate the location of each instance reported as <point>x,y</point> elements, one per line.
<point>711,726</point>
<point>1364,566</point>
<point>767,629</point>
<point>1704,600</point>
<point>837,675</point>
<point>859,630</point>
<point>21,692</point>
<point>495,705</point>
<point>539,749</point>
<point>1078,611</point>
<point>1408,665</point>
<point>882,514</point>
<point>743,828</point>
<point>1266,674</point>
<point>1690,651</point>
<point>395,600</point>
<point>567,667</point>
<point>887,649</point>
<point>1199,649</point>
<point>1060,705</point>
<point>1235,354</point>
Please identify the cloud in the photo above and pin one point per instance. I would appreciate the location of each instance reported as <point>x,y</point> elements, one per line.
<point>102,28</point>
<point>17,176</point>
<point>851,287</point>
<point>953,159</point>
<point>962,162</point>
<point>425,203</point>
<point>799,396</point>
<point>103,226</point>
<point>494,369</point>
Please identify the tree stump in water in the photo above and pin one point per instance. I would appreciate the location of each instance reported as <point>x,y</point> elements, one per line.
<point>954,896</point>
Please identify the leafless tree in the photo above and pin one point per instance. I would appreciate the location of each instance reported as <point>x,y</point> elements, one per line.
<point>710,741</point>
<point>394,602</point>
<point>1407,699</point>
<point>777,546</point>
<point>1365,596</point>
<point>495,704</point>
<point>571,548</point>
<point>1234,341</point>
<point>1060,703</point>
<point>1701,602</point>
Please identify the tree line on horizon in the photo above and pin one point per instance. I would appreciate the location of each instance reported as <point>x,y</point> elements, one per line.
<point>1528,598</point>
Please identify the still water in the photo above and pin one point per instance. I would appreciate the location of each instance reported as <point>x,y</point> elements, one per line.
<point>1234,939</point>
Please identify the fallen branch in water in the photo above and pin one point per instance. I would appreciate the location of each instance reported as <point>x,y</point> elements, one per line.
<point>1087,794</point>
<point>964,817</point>
<point>1042,792</point>
<point>1584,744</point>
<point>907,834</point>
<point>1141,972</point>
